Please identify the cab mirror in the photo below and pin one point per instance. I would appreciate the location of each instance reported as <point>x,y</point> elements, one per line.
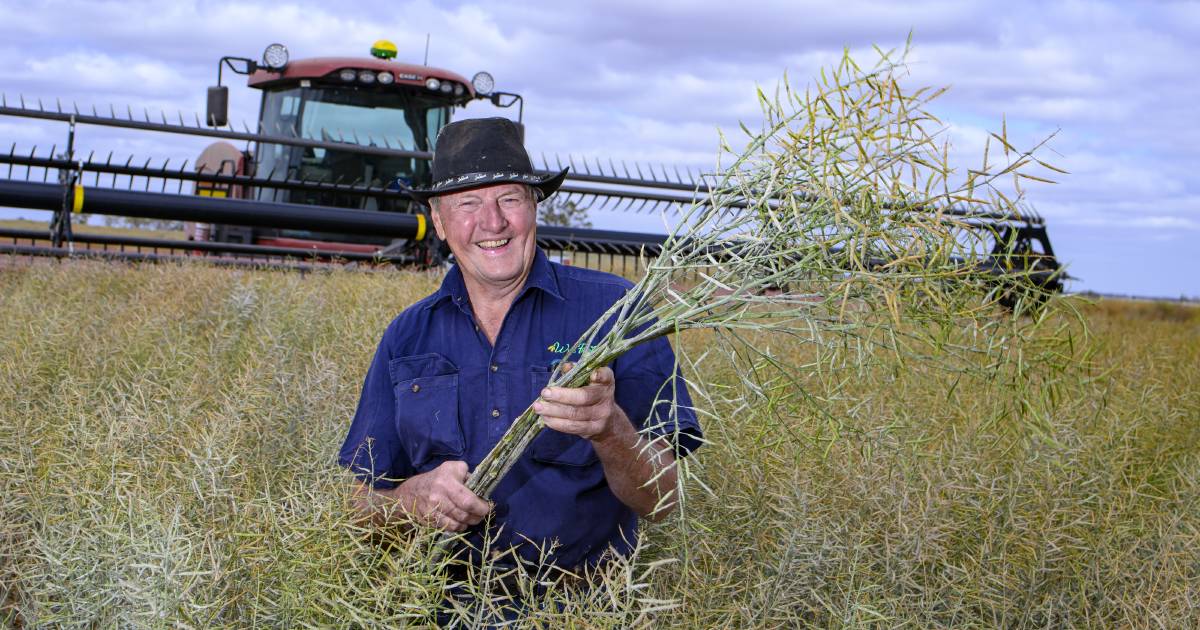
<point>217,114</point>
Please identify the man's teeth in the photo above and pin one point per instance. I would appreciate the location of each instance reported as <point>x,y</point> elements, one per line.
<point>493,244</point>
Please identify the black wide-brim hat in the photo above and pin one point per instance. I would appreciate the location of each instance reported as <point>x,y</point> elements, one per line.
<point>482,152</point>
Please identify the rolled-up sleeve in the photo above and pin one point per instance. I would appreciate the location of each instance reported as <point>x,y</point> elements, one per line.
<point>652,392</point>
<point>372,450</point>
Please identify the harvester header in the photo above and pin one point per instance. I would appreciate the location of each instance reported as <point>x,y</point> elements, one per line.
<point>337,145</point>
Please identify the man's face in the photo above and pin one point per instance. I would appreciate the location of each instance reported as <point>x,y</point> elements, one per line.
<point>491,232</point>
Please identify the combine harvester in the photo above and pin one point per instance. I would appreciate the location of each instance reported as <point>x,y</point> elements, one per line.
<point>322,176</point>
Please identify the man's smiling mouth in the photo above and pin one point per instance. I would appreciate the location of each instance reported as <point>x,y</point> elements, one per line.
<point>496,244</point>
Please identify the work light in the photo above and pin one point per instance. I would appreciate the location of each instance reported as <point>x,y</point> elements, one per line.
<point>483,82</point>
<point>275,56</point>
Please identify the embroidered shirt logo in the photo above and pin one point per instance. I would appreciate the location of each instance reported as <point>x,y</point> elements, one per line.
<point>565,348</point>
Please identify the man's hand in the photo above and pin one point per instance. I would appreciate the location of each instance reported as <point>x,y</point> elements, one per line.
<point>441,498</point>
<point>590,411</point>
<point>641,474</point>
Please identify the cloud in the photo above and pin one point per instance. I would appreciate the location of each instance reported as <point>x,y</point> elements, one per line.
<point>653,82</point>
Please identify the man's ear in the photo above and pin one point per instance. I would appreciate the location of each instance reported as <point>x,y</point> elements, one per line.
<point>435,216</point>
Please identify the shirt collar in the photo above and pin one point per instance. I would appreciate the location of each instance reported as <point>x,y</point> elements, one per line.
<point>541,276</point>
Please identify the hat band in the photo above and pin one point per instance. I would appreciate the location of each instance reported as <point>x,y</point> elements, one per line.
<point>483,178</point>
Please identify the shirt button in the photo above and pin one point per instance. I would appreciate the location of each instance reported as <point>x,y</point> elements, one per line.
<point>476,327</point>
<point>416,388</point>
<point>495,413</point>
<point>495,367</point>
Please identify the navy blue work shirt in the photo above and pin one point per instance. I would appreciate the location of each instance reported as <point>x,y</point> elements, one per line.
<point>438,391</point>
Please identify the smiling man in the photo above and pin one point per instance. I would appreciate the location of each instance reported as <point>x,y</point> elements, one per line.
<point>453,371</point>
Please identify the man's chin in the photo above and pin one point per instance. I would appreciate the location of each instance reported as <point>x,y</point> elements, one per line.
<point>496,275</point>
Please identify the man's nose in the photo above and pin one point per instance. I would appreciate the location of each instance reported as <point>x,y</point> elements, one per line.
<point>490,216</point>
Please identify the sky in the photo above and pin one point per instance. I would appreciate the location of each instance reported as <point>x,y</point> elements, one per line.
<point>1110,86</point>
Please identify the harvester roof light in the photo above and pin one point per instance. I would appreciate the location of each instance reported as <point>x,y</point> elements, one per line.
<point>275,56</point>
<point>383,49</point>
<point>348,74</point>
<point>483,82</point>
<point>366,76</point>
<point>432,83</point>
<point>459,89</point>
<point>447,87</point>
<point>385,77</point>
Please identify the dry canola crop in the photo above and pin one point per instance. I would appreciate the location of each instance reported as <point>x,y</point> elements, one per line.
<point>167,459</point>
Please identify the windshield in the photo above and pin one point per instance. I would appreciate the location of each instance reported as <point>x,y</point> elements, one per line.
<point>397,118</point>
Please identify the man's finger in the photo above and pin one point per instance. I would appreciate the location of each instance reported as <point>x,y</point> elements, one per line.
<point>475,507</point>
<point>455,514</point>
<point>577,396</point>
<point>448,524</point>
<point>547,409</point>
<point>583,429</point>
<point>603,376</point>
<point>456,469</point>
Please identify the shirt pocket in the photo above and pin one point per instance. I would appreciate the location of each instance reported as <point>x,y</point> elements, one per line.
<point>426,392</point>
<point>553,447</point>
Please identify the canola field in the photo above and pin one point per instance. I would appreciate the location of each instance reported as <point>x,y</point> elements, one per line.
<point>168,438</point>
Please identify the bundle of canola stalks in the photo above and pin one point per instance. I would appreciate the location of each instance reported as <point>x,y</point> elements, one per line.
<point>825,226</point>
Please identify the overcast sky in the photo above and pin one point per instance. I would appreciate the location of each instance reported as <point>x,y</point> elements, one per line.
<point>654,81</point>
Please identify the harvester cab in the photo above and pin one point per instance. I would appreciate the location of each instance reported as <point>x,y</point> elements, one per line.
<point>340,109</point>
